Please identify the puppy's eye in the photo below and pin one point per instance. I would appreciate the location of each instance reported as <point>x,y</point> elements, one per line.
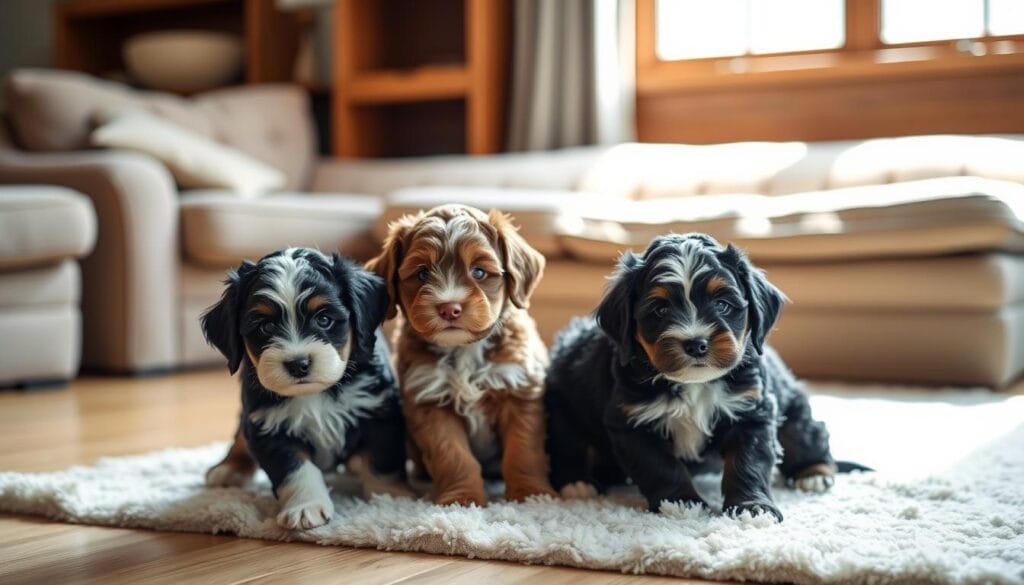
<point>267,328</point>
<point>324,321</point>
<point>661,311</point>
<point>723,306</point>
<point>423,274</point>
<point>478,273</point>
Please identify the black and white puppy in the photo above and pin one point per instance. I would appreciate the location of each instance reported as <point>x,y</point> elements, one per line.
<point>317,384</point>
<point>674,370</point>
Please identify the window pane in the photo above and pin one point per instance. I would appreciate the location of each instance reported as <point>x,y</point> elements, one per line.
<point>693,29</point>
<point>780,26</point>
<point>909,21</point>
<point>1005,17</point>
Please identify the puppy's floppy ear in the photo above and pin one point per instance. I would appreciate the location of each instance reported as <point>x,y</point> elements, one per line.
<point>615,312</point>
<point>221,323</point>
<point>524,266</point>
<point>366,298</point>
<point>385,265</point>
<point>764,301</point>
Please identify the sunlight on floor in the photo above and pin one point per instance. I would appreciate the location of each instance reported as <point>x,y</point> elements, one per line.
<point>879,430</point>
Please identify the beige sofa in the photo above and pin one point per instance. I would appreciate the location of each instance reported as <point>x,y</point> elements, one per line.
<point>902,257</point>
<point>43,230</point>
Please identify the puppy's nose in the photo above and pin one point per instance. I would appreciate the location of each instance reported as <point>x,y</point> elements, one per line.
<point>449,311</point>
<point>298,367</point>
<point>696,347</point>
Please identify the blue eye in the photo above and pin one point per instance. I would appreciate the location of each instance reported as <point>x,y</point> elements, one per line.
<point>723,306</point>
<point>478,273</point>
<point>661,311</point>
<point>267,328</point>
<point>324,321</point>
<point>423,274</point>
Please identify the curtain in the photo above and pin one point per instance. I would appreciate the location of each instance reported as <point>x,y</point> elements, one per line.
<point>572,73</point>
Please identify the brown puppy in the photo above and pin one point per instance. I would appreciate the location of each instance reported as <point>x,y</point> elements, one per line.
<point>470,362</point>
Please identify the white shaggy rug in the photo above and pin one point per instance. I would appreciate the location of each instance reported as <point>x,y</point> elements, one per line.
<point>946,506</point>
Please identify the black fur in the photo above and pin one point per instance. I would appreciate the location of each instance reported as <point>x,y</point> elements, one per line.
<point>355,307</point>
<point>598,368</point>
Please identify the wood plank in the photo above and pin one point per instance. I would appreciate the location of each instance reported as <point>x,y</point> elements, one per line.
<point>487,40</point>
<point>810,112</point>
<point>271,42</point>
<point>101,8</point>
<point>420,84</point>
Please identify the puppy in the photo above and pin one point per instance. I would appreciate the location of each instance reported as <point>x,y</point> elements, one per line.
<point>317,385</point>
<point>469,359</point>
<point>675,370</point>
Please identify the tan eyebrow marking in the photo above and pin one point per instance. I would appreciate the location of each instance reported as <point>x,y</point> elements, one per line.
<point>659,292</point>
<point>316,302</point>
<point>715,283</point>
<point>263,309</point>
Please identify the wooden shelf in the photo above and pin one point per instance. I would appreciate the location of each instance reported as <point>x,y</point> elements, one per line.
<point>91,33</point>
<point>100,8</point>
<point>414,77</point>
<point>425,83</point>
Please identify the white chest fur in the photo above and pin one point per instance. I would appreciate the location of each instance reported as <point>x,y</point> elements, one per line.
<point>461,377</point>
<point>321,419</point>
<point>688,417</point>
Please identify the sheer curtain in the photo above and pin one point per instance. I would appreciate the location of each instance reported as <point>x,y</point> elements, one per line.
<point>573,73</point>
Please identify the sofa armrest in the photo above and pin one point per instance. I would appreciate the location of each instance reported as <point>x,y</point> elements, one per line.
<point>130,281</point>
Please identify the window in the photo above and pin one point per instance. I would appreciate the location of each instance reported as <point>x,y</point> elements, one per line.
<point>696,45</point>
<point>949,19</point>
<point>695,29</point>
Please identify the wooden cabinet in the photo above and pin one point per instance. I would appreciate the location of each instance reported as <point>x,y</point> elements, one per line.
<point>415,77</point>
<point>90,33</point>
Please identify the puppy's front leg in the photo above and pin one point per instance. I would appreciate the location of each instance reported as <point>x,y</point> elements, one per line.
<point>298,483</point>
<point>237,467</point>
<point>748,454</point>
<point>441,438</point>
<point>381,466</point>
<point>524,465</point>
<point>649,460</point>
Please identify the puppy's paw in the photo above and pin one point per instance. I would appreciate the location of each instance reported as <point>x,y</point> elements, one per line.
<point>306,515</point>
<point>578,490</point>
<point>305,502</point>
<point>228,475</point>
<point>461,498</point>
<point>754,509</point>
<point>520,492</point>
<point>816,478</point>
<point>815,483</point>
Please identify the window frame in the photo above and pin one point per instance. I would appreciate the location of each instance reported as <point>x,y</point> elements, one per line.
<point>863,56</point>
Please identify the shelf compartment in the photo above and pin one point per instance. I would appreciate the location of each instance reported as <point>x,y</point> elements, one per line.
<point>402,34</point>
<point>405,129</point>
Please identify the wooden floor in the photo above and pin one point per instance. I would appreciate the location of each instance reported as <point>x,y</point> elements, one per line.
<point>94,417</point>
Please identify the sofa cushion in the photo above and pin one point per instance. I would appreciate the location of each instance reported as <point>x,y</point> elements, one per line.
<point>977,282</point>
<point>922,346</point>
<point>220,230</point>
<point>53,110</point>
<point>538,213</point>
<point>44,224</point>
<point>650,171</point>
<point>552,169</point>
<point>194,160</point>
<point>916,218</point>
<point>50,285</point>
